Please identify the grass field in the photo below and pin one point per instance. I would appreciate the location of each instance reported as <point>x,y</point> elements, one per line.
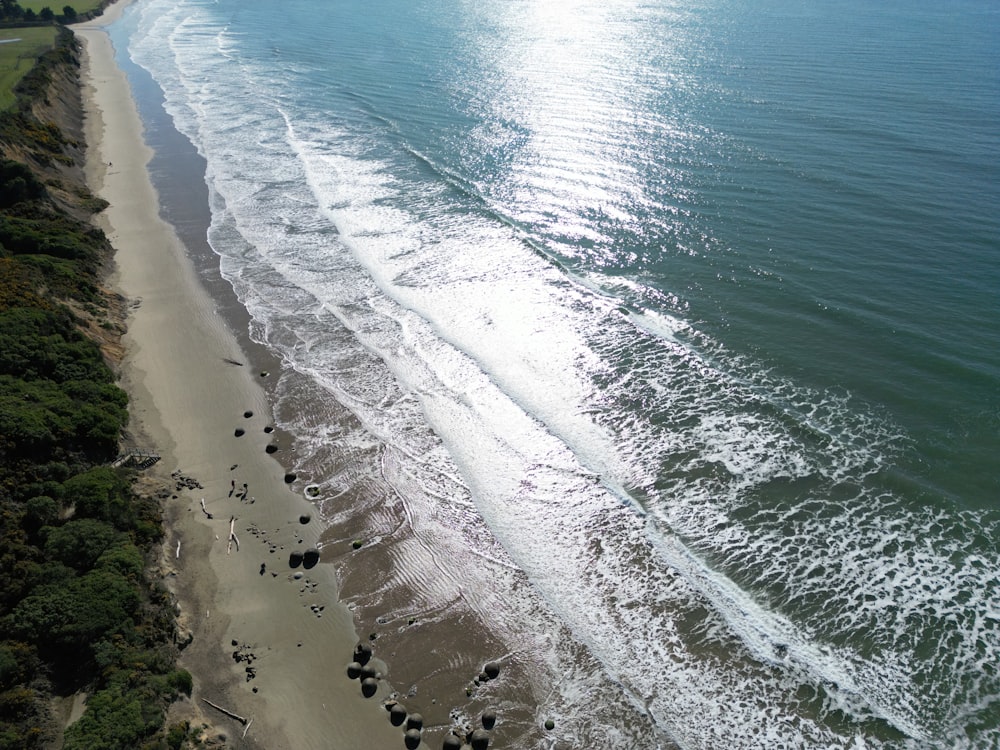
<point>19,48</point>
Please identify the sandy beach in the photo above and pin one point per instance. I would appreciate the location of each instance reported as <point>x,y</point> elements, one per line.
<point>192,389</point>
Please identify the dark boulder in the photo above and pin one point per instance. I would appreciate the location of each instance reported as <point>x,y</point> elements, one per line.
<point>362,653</point>
<point>310,557</point>
<point>369,686</point>
<point>479,739</point>
<point>397,714</point>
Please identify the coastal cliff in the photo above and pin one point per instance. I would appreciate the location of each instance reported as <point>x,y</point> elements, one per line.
<point>45,129</point>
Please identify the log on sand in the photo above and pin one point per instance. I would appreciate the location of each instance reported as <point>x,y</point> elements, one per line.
<point>227,712</point>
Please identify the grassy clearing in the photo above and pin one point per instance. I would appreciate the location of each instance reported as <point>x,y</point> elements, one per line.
<point>18,57</point>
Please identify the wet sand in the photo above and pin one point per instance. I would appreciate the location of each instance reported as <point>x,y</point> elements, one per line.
<point>188,399</point>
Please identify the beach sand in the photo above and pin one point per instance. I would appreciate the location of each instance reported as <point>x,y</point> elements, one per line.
<point>188,398</point>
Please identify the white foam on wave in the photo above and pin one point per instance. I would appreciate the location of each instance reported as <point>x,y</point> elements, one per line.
<point>516,451</point>
<point>765,563</point>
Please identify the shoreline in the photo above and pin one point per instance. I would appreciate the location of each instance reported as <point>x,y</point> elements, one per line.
<point>188,400</point>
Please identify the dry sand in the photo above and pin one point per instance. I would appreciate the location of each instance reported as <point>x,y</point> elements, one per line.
<point>187,401</point>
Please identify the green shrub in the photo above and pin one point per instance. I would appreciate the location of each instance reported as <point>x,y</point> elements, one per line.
<point>80,542</point>
<point>124,558</point>
<point>113,719</point>
<point>39,419</point>
<point>102,493</point>
<point>17,664</point>
<point>180,680</point>
<point>18,184</point>
<point>68,617</point>
<point>39,511</point>
<point>177,734</point>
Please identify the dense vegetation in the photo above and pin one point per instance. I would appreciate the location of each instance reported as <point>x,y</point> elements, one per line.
<point>77,610</point>
<point>14,12</point>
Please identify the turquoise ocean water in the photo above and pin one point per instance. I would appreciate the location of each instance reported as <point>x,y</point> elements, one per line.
<point>675,327</point>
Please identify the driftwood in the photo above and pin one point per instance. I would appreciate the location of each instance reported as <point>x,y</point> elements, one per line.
<point>227,712</point>
<point>178,554</point>
<point>232,361</point>
<point>247,728</point>
<point>232,536</point>
<point>204,509</point>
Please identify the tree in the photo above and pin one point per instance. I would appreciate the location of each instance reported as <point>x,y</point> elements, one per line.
<point>115,716</point>
<point>46,14</point>
<point>19,183</point>
<point>80,542</point>
<point>69,14</point>
<point>11,10</point>
<point>101,493</point>
<point>74,615</point>
<point>39,511</point>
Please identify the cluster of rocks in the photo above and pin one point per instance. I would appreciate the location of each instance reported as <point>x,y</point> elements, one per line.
<point>307,559</point>
<point>242,494</point>
<point>182,482</point>
<point>183,636</point>
<point>308,586</point>
<point>491,670</point>
<point>240,432</point>
<point>478,739</point>
<point>262,535</point>
<point>243,654</point>
<point>361,669</point>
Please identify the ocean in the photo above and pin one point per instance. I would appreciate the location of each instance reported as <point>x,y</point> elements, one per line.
<point>660,338</point>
